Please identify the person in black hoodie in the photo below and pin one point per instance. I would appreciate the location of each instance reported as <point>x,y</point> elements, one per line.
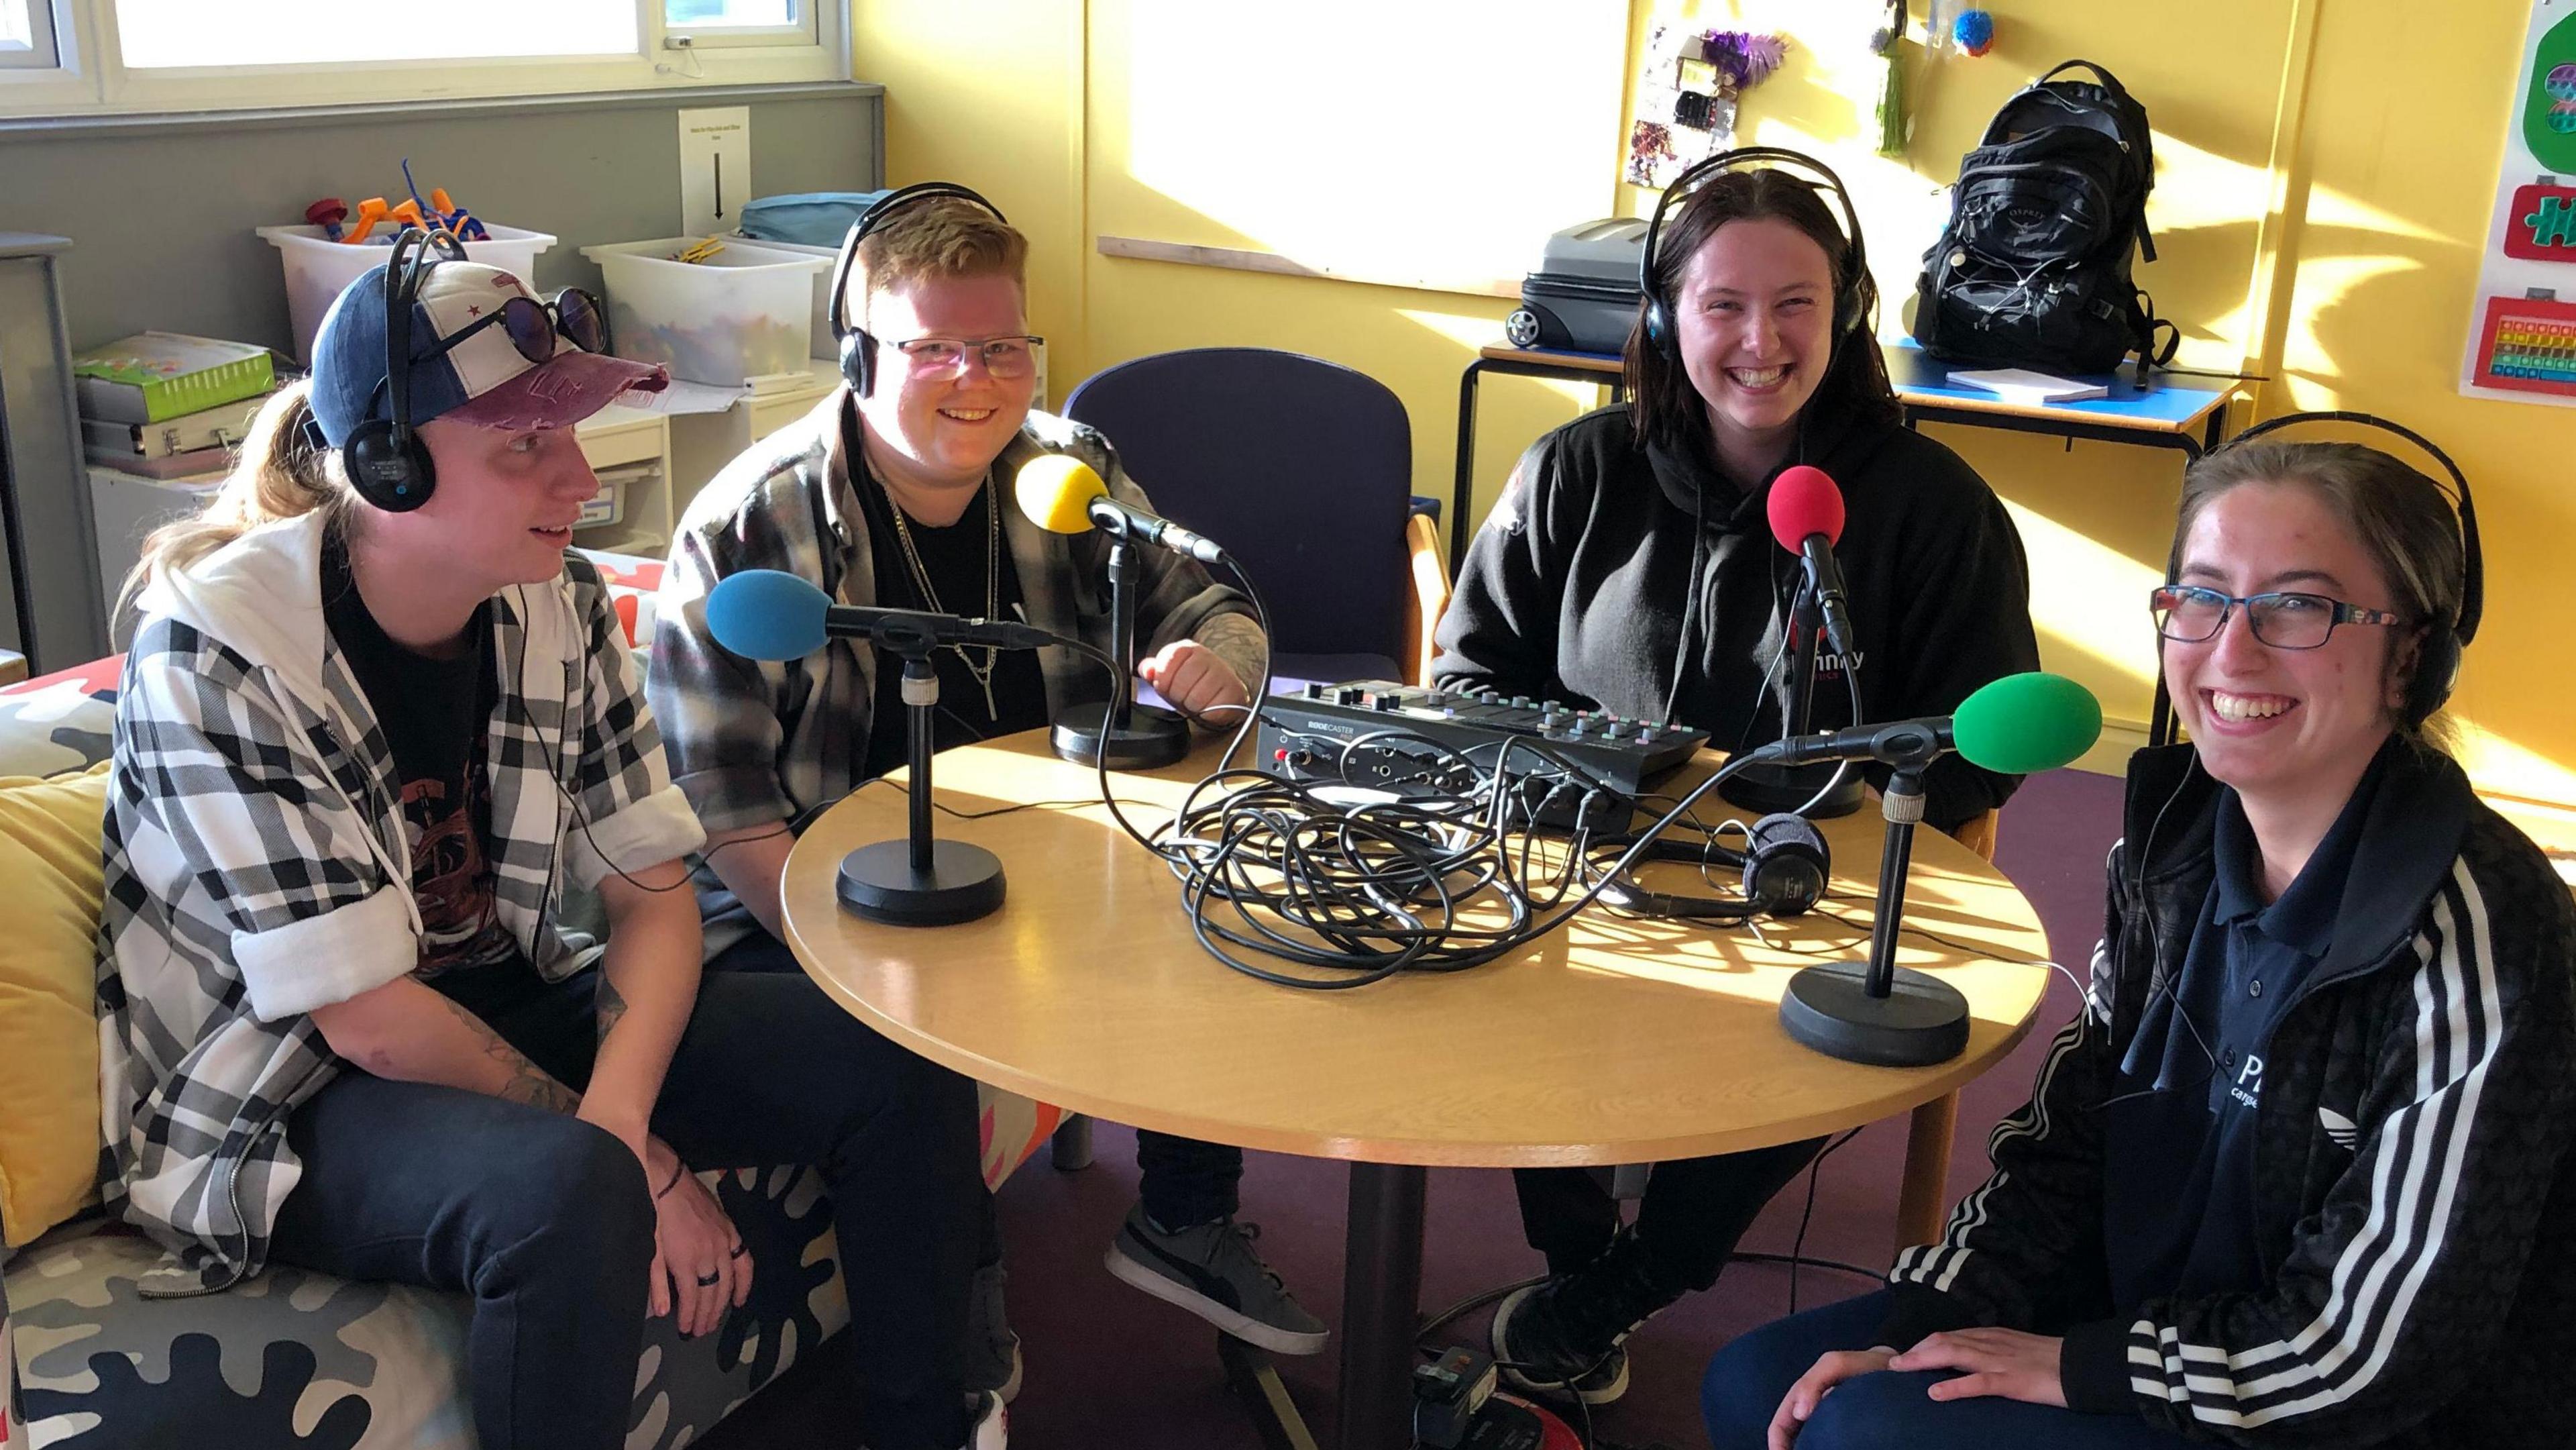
<point>1629,567</point>
<point>2299,1172</point>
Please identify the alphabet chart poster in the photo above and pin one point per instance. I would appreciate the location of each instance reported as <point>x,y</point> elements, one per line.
<point>2522,326</point>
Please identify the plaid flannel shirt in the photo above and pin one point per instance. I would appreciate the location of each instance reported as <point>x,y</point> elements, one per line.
<point>258,866</point>
<point>753,742</point>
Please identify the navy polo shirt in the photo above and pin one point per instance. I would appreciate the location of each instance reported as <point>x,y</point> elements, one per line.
<point>2180,1213</point>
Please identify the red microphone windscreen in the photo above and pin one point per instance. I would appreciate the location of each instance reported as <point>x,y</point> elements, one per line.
<point>1804,501</point>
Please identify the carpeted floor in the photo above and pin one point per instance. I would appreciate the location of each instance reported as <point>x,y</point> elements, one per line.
<point>1109,1367</point>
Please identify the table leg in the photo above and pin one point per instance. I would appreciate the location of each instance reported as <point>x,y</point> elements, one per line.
<point>1072,1143</point>
<point>1923,1193</point>
<point>1381,1305</point>
<point>1274,1413</point>
<point>1462,495</point>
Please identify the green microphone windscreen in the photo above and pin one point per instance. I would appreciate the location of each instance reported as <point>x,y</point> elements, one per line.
<point>2027,722</point>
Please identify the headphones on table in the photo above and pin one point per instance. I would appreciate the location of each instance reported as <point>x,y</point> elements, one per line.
<point>1785,868</point>
<point>1854,291</point>
<point>384,458</point>
<point>858,347</point>
<point>2437,662</point>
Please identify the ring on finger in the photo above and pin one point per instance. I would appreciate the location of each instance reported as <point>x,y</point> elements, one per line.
<point>708,1280</point>
<point>739,1250</point>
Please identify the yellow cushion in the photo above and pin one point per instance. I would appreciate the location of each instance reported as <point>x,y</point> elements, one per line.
<point>49,900</point>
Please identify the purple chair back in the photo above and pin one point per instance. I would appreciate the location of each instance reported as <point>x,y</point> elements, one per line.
<point>1301,468</point>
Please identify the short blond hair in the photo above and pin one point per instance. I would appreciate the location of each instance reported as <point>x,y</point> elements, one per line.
<point>940,236</point>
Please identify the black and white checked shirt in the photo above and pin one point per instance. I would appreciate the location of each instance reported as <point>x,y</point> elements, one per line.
<point>257,865</point>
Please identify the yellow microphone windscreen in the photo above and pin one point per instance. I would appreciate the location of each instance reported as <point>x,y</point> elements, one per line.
<point>1055,491</point>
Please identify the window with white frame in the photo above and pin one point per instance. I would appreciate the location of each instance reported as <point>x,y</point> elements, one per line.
<point>169,55</point>
<point>27,35</point>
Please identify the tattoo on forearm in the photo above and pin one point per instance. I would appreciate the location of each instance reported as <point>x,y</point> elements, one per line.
<point>527,1082</point>
<point>612,1006</point>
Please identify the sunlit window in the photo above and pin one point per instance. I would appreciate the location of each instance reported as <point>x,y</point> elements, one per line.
<point>27,33</point>
<point>710,14</point>
<point>160,34</point>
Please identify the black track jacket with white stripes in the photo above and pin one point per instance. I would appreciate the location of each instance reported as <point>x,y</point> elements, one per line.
<point>2414,1179</point>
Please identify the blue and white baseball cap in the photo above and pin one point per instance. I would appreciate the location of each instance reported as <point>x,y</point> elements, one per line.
<point>484,379</point>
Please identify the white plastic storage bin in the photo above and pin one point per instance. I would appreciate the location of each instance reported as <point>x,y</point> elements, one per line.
<point>741,313</point>
<point>317,268</point>
<point>822,345</point>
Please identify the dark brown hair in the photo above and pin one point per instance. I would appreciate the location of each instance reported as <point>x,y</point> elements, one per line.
<point>2402,519</point>
<point>1664,407</point>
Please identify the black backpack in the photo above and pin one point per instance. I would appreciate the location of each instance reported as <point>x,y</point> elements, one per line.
<point>2033,268</point>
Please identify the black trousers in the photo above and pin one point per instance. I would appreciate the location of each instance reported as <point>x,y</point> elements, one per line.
<point>1185,1181</point>
<point>548,1223</point>
<point>1694,1212</point>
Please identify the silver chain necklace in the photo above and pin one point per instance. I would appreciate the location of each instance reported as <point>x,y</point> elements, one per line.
<point>983,673</point>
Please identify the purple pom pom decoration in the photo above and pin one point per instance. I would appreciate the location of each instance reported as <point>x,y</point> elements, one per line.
<point>1974,30</point>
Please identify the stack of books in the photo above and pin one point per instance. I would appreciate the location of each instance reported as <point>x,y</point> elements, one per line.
<point>165,405</point>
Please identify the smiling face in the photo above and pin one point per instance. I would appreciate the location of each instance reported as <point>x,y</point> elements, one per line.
<point>938,434</point>
<point>505,504</point>
<point>1754,327</point>
<point>2294,726</point>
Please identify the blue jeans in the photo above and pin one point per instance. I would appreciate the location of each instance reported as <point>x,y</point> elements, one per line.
<point>1184,1182</point>
<point>1748,1379</point>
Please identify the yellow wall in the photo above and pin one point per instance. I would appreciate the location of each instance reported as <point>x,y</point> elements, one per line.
<point>2324,173</point>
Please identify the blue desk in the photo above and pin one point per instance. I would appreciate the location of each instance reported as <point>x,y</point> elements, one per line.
<point>2153,413</point>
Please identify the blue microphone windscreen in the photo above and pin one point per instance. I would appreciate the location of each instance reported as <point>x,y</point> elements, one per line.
<point>767,614</point>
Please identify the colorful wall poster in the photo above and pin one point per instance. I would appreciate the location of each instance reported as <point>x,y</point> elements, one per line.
<point>2522,323</point>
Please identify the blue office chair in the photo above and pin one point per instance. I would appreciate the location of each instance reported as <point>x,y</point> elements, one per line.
<point>1302,469</point>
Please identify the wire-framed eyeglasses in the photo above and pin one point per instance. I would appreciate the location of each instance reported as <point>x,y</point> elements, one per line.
<point>945,357</point>
<point>2189,614</point>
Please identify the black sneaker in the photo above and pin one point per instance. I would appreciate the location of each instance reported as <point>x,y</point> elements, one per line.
<point>992,1350</point>
<point>1213,1271</point>
<point>1566,1337</point>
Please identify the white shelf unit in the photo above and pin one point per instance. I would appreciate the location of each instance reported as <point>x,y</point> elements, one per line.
<point>630,450</point>
<point>624,444</point>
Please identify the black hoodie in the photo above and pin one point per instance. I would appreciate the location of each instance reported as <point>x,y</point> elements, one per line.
<point>2414,1184</point>
<point>1577,587</point>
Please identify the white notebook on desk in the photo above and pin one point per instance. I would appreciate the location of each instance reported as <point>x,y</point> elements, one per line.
<point>2020,385</point>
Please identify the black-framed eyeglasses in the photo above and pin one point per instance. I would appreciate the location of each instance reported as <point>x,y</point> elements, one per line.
<point>2189,614</point>
<point>533,325</point>
<point>1010,357</point>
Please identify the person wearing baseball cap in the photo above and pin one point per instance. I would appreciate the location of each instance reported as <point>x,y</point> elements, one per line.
<point>377,719</point>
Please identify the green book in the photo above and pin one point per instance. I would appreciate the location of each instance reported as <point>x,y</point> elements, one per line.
<point>153,376</point>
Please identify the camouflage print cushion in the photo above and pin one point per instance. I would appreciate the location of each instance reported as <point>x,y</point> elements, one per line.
<point>305,1360</point>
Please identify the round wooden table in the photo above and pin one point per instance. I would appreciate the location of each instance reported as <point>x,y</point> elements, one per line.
<point>1608,1041</point>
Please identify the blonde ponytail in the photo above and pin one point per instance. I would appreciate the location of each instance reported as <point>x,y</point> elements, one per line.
<point>278,474</point>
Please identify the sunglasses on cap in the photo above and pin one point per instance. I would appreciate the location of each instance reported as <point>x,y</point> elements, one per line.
<point>533,326</point>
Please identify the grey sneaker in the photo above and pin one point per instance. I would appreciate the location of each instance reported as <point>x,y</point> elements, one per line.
<point>1214,1272</point>
<point>992,1350</point>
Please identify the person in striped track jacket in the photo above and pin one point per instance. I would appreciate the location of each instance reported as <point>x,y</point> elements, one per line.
<point>2299,1172</point>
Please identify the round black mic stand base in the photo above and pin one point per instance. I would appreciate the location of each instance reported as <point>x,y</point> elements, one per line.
<point>964,882</point>
<point>1770,788</point>
<point>1921,1021</point>
<point>1149,738</point>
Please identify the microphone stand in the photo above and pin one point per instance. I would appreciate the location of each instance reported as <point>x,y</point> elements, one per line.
<point>920,880</point>
<point>1767,787</point>
<point>1878,1012</point>
<point>1134,737</point>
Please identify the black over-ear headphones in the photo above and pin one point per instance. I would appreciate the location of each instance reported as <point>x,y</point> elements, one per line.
<point>1785,869</point>
<point>1854,292</point>
<point>858,348</point>
<point>2437,659</point>
<point>386,462</point>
